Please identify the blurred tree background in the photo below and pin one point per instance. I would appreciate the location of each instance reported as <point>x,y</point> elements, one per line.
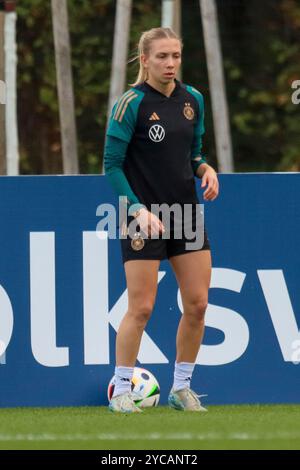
<point>261,51</point>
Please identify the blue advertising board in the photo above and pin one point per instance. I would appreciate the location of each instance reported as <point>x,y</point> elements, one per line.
<point>63,294</point>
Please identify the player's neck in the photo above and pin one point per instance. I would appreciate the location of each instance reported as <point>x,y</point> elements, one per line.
<point>165,89</point>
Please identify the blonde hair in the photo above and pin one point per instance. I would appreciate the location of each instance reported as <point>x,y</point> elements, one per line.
<point>144,48</point>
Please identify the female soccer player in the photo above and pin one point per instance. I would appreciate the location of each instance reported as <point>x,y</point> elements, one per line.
<point>152,153</point>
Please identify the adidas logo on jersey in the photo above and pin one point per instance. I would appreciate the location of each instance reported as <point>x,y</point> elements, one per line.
<point>154,117</point>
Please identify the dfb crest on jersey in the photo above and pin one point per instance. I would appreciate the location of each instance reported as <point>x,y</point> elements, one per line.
<point>188,111</point>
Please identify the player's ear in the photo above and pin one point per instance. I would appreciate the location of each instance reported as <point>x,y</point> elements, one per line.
<point>144,60</point>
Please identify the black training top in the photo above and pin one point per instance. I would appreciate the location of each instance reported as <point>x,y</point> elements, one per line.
<point>153,145</point>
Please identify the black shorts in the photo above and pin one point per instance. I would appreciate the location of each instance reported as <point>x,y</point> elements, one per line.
<point>160,248</point>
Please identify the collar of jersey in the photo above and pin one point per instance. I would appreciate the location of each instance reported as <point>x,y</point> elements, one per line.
<point>174,92</point>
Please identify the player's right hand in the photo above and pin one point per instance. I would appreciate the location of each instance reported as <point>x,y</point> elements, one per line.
<point>149,223</point>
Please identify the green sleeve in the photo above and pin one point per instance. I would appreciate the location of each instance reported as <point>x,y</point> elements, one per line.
<point>120,130</point>
<point>196,156</point>
<point>123,118</point>
<point>114,156</point>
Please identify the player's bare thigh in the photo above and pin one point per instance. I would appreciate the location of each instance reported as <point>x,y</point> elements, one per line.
<point>193,274</point>
<point>141,278</point>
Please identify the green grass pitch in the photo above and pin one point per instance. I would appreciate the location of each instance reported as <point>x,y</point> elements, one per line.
<point>223,427</point>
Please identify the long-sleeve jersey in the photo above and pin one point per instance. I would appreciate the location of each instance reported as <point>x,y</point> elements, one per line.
<point>153,145</point>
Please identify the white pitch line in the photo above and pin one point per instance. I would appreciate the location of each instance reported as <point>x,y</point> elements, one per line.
<point>151,437</point>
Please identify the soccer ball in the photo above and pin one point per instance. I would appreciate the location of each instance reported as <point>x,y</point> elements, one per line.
<point>144,388</point>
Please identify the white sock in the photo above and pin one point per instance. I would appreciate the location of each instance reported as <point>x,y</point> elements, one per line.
<point>123,376</point>
<point>182,375</point>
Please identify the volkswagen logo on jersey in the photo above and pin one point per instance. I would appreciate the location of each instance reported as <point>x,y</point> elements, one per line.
<point>157,133</point>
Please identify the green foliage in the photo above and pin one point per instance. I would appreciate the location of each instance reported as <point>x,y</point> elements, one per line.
<point>262,59</point>
<point>260,42</point>
<point>91,24</point>
<point>261,53</point>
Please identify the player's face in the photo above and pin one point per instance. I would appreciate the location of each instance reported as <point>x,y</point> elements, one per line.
<point>164,60</point>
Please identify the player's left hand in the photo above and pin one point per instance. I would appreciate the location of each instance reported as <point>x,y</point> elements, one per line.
<point>210,179</point>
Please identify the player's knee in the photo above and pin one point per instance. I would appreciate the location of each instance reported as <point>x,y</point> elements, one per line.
<point>197,309</point>
<point>142,313</point>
